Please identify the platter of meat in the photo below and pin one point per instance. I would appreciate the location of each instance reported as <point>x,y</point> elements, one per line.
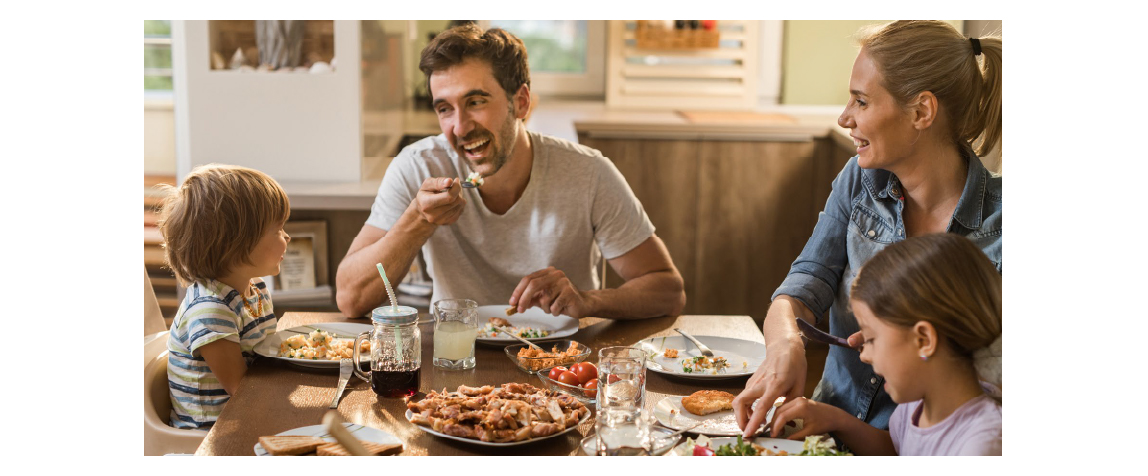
<point>508,415</point>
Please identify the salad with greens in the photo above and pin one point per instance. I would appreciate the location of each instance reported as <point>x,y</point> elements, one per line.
<point>817,446</point>
<point>703,446</point>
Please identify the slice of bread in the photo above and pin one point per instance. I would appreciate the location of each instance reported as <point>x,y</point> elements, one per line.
<point>704,402</point>
<point>290,445</point>
<point>376,449</point>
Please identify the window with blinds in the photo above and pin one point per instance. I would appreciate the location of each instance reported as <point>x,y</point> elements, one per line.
<point>157,55</point>
<point>672,76</point>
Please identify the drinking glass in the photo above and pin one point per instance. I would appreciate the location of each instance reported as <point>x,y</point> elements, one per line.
<point>621,378</point>
<point>623,431</point>
<point>455,328</point>
<point>396,352</point>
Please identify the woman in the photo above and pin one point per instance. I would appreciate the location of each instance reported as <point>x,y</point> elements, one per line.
<point>919,101</point>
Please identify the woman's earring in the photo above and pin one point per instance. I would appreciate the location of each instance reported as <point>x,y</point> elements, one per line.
<point>924,358</point>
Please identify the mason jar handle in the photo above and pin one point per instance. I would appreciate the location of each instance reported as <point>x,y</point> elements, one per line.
<point>355,356</point>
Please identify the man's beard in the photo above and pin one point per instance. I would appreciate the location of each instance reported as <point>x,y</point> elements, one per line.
<point>506,138</point>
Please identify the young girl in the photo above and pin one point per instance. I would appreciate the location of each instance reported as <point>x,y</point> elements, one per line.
<point>928,308</point>
<point>222,230</point>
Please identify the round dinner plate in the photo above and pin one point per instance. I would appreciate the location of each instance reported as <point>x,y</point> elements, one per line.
<point>269,347</point>
<point>410,414</point>
<point>744,356</point>
<point>365,433</point>
<point>670,413</point>
<point>663,442</point>
<point>792,447</point>
<point>560,326</point>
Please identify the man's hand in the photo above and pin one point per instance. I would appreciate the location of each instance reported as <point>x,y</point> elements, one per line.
<point>439,201</point>
<point>552,291</point>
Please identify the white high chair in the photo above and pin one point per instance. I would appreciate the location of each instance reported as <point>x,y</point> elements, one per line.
<point>159,438</point>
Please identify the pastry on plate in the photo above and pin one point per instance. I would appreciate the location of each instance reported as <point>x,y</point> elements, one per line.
<point>704,402</point>
<point>376,449</point>
<point>290,445</point>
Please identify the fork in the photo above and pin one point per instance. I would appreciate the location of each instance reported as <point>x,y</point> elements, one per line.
<point>345,370</point>
<point>701,347</point>
<point>817,335</point>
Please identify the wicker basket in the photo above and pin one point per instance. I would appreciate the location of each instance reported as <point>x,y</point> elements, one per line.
<point>653,36</point>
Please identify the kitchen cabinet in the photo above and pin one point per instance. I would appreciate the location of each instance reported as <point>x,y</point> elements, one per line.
<point>734,212</point>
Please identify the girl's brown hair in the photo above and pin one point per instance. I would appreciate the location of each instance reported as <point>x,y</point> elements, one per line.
<point>918,56</point>
<point>943,279</point>
<point>216,217</point>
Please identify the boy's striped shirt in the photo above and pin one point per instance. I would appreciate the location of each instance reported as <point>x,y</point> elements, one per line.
<point>211,311</point>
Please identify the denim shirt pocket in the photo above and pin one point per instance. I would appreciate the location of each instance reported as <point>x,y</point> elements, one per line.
<point>869,233</point>
<point>870,226</point>
<point>990,239</point>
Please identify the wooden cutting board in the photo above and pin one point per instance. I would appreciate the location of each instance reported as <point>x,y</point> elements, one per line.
<point>726,117</point>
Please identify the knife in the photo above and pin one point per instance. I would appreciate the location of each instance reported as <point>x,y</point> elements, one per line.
<point>817,335</point>
<point>345,369</point>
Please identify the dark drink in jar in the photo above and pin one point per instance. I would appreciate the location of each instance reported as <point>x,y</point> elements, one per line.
<point>396,348</point>
<point>395,383</point>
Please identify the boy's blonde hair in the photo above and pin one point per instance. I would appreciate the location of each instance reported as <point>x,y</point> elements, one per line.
<point>943,279</point>
<point>216,217</point>
<point>917,56</point>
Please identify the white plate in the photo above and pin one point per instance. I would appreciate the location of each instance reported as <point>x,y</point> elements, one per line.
<point>560,326</point>
<point>792,447</point>
<point>744,356</point>
<point>365,433</point>
<point>670,413</point>
<point>270,346</point>
<point>662,441</point>
<point>410,414</point>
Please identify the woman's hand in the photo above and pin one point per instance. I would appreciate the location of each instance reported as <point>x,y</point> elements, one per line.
<point>817,418</point>
<point>781,375</point>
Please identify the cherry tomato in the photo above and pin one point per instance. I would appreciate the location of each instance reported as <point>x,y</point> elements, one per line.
<point>591,388</point>
<point>556,371</point>
<point>703,451</point>
<point>569,378</point>
<point>586,371</point>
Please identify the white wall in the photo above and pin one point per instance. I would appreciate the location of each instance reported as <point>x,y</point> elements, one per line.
<point>293,126</point>
<point>159,138</point>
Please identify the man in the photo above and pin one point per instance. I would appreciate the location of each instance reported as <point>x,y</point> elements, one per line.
<point>547,212</point>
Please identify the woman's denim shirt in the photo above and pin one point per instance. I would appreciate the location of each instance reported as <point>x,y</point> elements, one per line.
<point>861,217</point>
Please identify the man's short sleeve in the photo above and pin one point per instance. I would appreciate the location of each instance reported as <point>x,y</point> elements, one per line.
<point>209,321</point>
<point>620,223</point>
<point>398,189</point>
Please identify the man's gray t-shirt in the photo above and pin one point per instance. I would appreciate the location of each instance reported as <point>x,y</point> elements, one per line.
<point>576,209</point>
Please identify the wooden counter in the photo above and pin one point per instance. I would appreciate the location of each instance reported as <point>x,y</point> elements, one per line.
<point>734,196</point>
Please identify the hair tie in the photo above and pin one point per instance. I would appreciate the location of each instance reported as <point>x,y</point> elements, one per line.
<point>976,46</point>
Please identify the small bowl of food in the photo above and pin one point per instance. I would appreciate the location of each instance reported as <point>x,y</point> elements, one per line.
<point>563,352</point>
<point>579,381</point>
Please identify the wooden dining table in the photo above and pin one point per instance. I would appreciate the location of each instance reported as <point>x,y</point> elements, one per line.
<point>275,396</point>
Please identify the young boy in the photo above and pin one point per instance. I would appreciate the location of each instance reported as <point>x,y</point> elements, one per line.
<point>222,229</point>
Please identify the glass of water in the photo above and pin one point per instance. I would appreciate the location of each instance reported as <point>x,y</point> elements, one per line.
<point>623,431</point>
<point>621,378</point>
